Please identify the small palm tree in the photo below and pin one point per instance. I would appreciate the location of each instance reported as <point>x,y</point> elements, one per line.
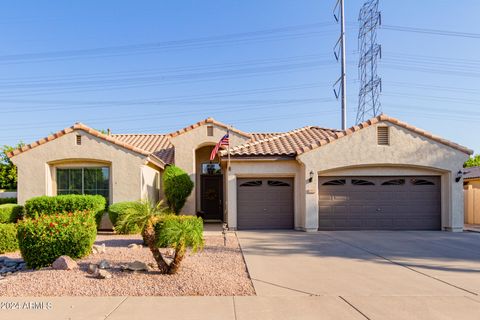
<point>163,229</point>
<point>144,216</point>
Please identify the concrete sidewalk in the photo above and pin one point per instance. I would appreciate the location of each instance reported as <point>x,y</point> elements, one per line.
<point>244,308</point>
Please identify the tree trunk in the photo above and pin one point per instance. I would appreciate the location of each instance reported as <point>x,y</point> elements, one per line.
<point>148,234</point>
<point>177,259</point>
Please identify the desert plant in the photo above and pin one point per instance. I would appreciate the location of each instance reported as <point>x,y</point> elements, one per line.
<point>179,233</point>
<point>44,239</point>
<point>8,237</point>
<point>161,228</point>
<point>45,205</point>
<point>177,187</point>
<point>144,216</point>
<point>116,212</point>
<point>10,213</point>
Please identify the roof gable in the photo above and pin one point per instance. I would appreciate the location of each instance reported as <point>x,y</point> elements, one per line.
<point>385,118</point>
<point>80,126</point>
<point>205,122</point>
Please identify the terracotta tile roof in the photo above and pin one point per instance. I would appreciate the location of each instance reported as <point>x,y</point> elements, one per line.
<point>157,144</point>
<point>207,121</point>
<point>471,173</point>
<point>260,136</point>
<point>285,144</point>
<point>306,139</point>
<point>80,126</point>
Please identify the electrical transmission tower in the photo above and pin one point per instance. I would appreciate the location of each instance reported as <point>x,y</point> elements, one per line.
<point>339,51</point>
<point>370,51</point>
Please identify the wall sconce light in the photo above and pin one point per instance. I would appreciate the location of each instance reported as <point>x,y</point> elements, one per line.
<point>459,176</point>
<point>310,179</point>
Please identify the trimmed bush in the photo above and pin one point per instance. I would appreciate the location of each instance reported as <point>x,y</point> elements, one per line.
<point>118,210</point>
<point>8,237</point>
<point>45,205</point>
<point>177,187</point>
<point>173,231</point>
<point>44,239</point>
<point>10,213</point>
<point>8,200</point>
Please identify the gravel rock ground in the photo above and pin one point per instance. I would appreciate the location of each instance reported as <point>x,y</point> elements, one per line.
<point>215,271</point>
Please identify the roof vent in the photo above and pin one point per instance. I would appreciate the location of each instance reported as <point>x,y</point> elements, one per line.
<point>210,131</point>
<point>383,137</point>
<point>79,139</point>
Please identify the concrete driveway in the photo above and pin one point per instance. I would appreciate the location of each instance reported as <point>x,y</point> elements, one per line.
<point>377,273</point>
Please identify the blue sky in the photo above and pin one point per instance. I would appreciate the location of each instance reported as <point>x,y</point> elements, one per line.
<point>156,66</point>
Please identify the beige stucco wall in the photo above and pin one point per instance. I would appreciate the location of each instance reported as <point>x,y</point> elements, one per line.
<point>36,167</point>
<point>150,184</point>
<point>185,146</point>
<point>408,153</point>
<point>252,169</point>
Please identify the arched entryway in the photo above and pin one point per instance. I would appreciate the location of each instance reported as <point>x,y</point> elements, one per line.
<point>209,182</point>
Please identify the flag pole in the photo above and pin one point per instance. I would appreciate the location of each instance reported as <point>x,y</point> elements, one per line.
<point>228,149</point>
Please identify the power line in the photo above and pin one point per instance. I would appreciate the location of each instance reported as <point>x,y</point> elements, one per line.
<point>239,106</point>
<point>192,43</point>
<point>433,31</point>
<point>214,75</point>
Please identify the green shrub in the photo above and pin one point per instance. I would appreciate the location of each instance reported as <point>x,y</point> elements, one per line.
<point>8,237</point>
<point>46,205</point>
<point>177,187</point>
<point>10,213</point>
<point>8,200</point>
<point>173,231</point>
<point>118,210</point>
<point>44,239</point>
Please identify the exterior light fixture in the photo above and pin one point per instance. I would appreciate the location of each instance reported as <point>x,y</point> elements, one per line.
<point>310,179</point>
<point>459,176</point>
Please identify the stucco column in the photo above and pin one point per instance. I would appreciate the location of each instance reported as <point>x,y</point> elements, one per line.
<point>231,185</point>
<point>311,200</point>
<point>457,205</point>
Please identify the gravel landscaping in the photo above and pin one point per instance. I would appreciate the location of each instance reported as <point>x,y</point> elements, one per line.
<point>218,270</point>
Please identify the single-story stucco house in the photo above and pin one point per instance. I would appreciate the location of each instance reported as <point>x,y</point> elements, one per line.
<point>380,174</point>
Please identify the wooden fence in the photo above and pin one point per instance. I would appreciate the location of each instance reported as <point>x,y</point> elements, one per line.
<point>472,205</point>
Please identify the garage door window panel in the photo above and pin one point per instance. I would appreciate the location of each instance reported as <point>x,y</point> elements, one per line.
<point>394,182</point>
<point>338,182</point>
<point>255,183</point>
<point>422,182</point>
<point>361,182</point>
<point>276,183</point>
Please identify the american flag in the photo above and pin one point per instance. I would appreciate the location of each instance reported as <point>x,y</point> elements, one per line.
<point>223,142</point>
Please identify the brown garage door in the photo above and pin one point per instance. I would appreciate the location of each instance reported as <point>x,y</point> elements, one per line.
<point>380,203</point>
<point>265,203</point>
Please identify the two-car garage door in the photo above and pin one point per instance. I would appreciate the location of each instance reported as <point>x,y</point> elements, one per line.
<point>380,203</point>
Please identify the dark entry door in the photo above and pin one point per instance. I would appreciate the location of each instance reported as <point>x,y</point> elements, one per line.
<point>212,196</point>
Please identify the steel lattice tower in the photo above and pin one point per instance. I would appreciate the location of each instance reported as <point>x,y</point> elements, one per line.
<point>370,51</point>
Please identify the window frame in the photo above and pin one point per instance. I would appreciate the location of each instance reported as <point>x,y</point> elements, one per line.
<point>106,192</point>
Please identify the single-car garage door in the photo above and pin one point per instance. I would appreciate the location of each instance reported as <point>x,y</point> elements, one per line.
<point>265,203</point>
<point>379,203</point>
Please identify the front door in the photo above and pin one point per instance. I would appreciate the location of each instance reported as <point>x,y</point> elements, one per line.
<point>212,196</point>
